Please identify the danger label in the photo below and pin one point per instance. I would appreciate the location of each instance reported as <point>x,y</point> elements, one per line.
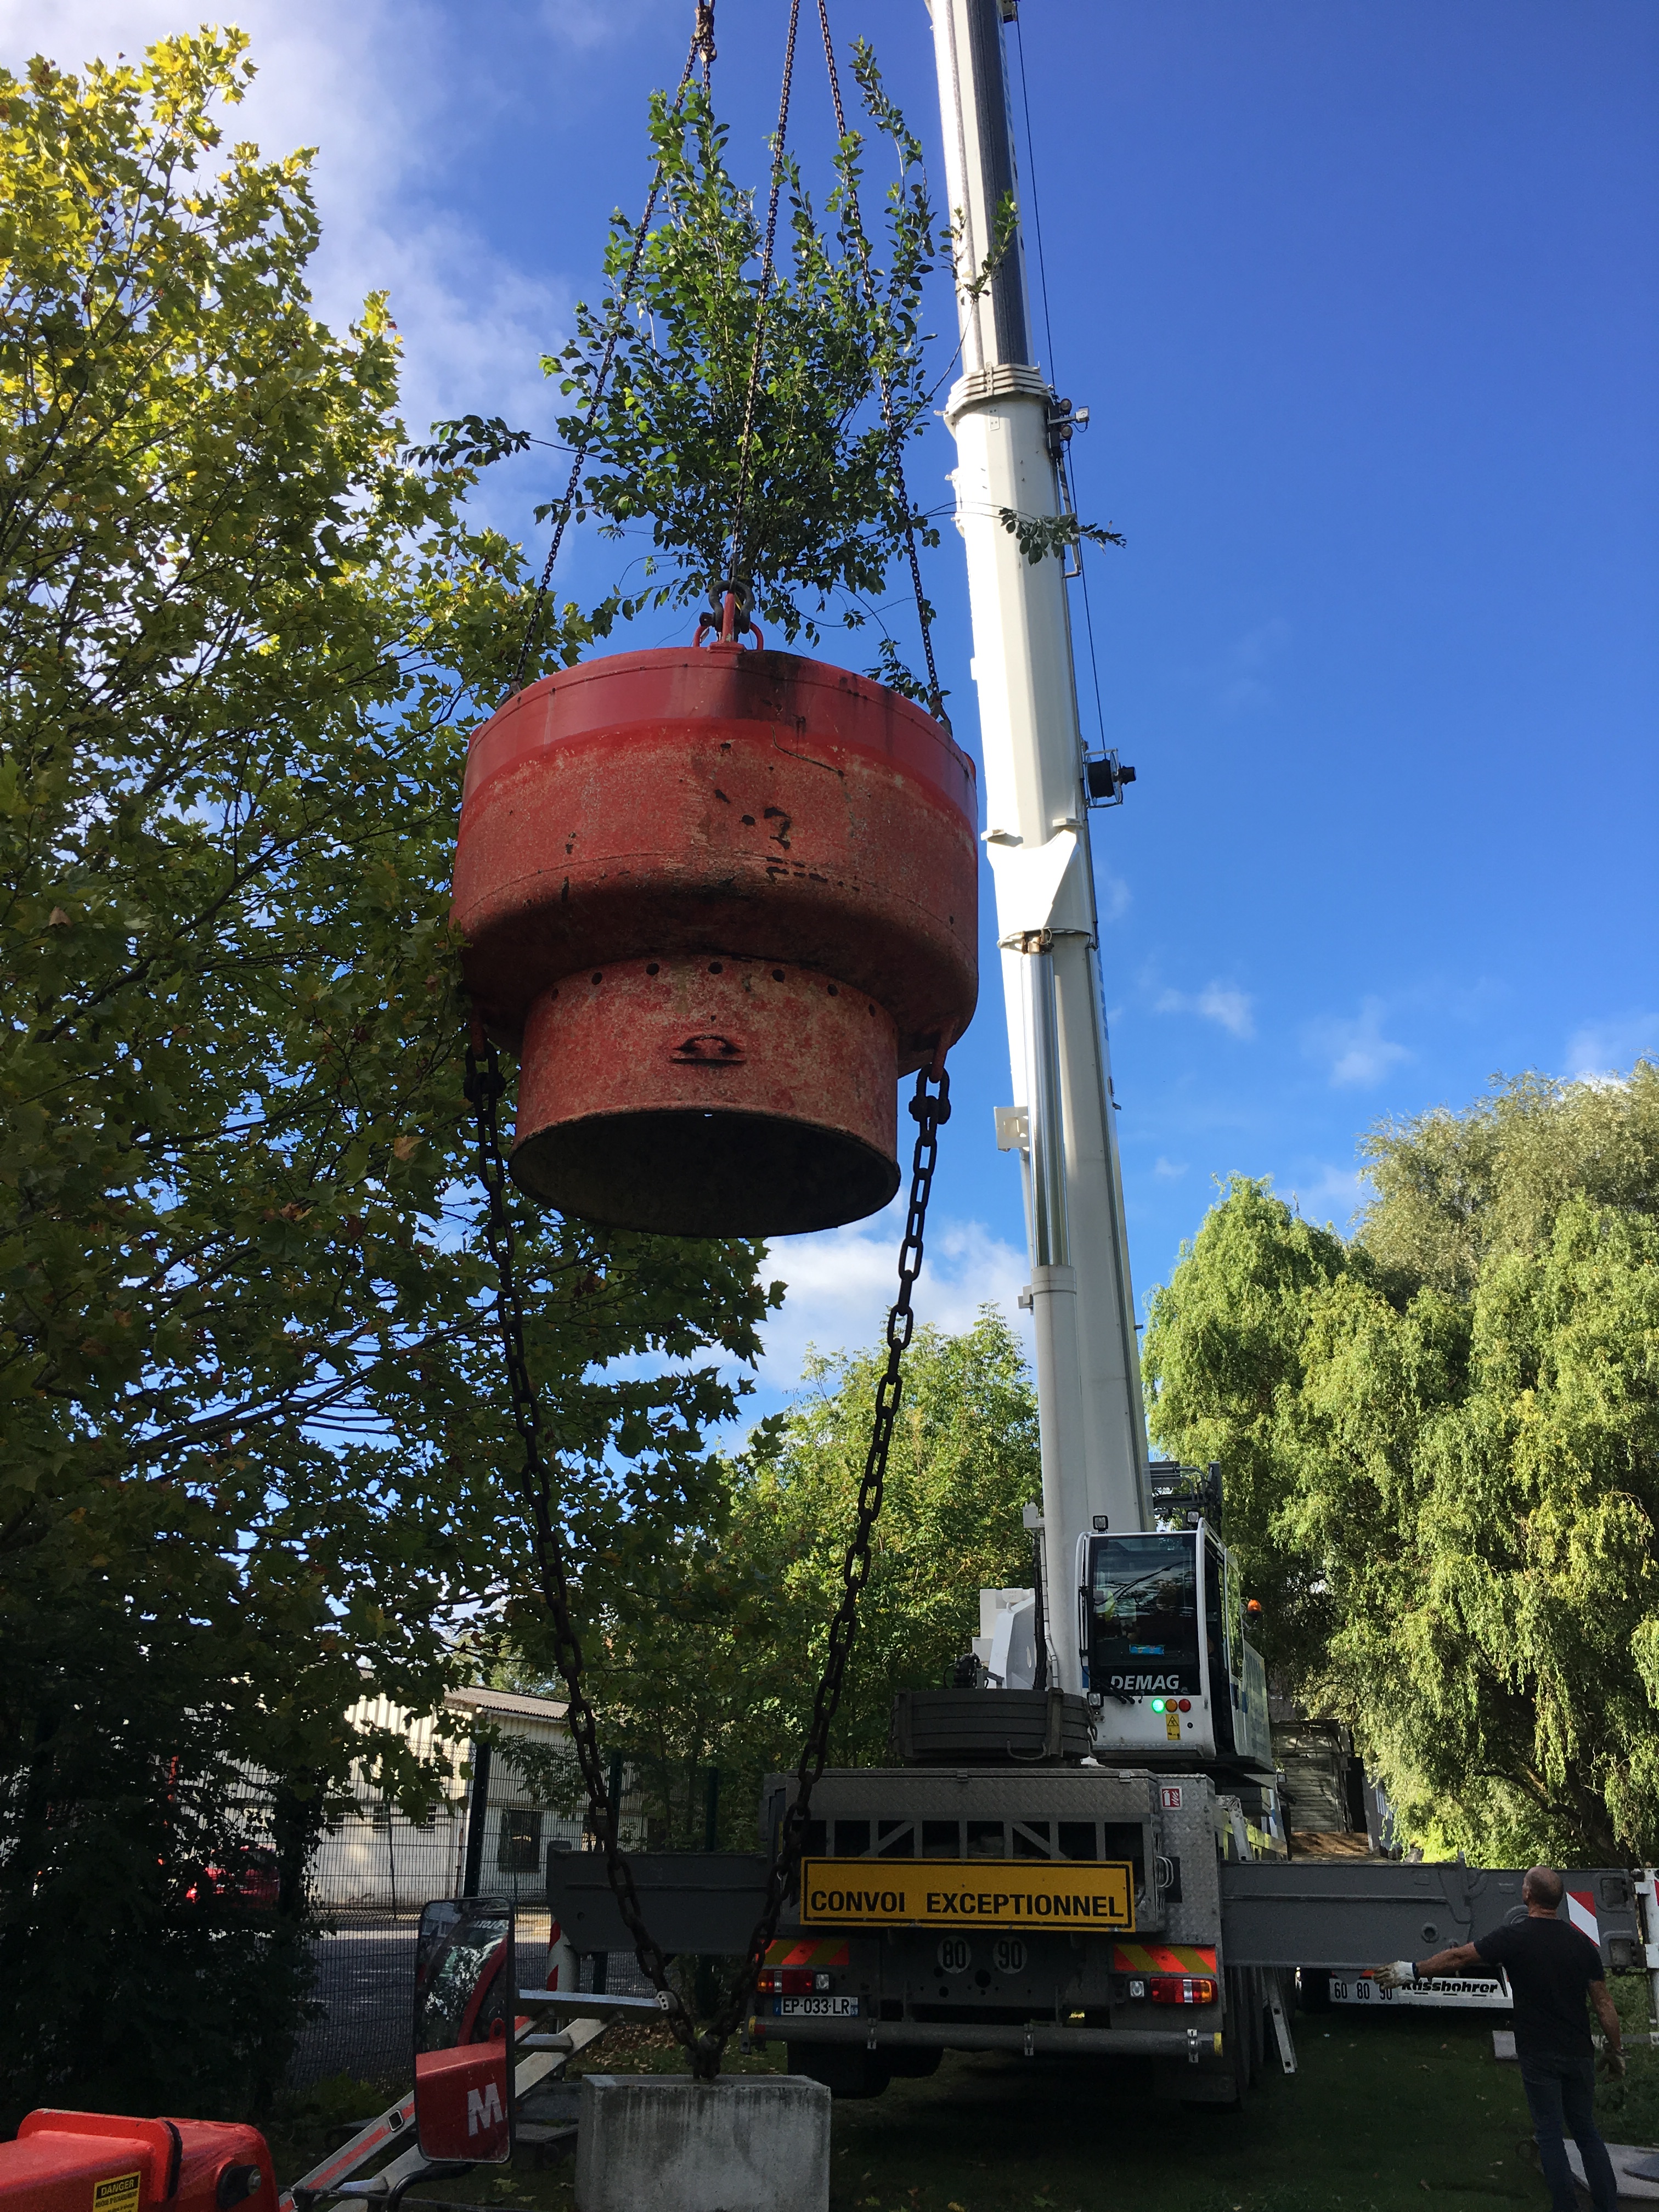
<point>953,1894</point>
<point>116,2192</point>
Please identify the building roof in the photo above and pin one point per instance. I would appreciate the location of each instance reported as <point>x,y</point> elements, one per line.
<point>506,1702</point>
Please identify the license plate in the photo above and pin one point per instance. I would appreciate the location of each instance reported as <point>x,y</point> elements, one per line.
<point>815,2007</point>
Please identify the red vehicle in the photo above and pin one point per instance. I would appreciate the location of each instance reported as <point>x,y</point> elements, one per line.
<point>249,1877</point>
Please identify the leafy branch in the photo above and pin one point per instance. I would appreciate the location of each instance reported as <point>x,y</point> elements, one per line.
<point>471,442</point>
<point>1041,535</point>
<point>841,386</point>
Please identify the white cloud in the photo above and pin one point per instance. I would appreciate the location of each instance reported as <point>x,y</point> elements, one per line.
<point>842,1281</point>
<point>1330,1194</point>
<point>1359,1055</point>
<point>1112,894</point>
<point>1605,1048</point>
<point>1169,1170</point>
<point>1216,1002</point>
<point>375,88</point>
<point>585,25</point>
<point>1251,656</point>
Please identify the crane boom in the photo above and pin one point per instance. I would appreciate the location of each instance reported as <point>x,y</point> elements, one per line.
<point>1003,413</point>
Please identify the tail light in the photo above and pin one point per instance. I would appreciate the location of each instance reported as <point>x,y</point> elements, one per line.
<point>792,1981</point>
<point>1182,1989</point>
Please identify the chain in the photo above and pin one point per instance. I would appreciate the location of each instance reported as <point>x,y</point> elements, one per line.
<point>702,43</point>
<point>735,582</point>
<point>930,1107</point>
<point>855,224</point>
<point>931,1110</point>
<point>485,1086</point>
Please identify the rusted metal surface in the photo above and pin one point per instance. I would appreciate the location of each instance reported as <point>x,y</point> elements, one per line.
<point>719,900</point>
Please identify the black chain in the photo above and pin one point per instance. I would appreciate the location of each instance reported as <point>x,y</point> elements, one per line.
<point>703,43</point>
<point>485,1086</point>
<point>930,1108</point>
<point>855,224</point>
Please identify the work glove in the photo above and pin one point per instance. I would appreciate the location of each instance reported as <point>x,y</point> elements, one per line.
<point>1613,2065</point>
<point>1396,1974</point>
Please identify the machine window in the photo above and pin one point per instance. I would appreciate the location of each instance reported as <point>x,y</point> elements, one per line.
<point>1143,1615</point>
<point>519,1846</point>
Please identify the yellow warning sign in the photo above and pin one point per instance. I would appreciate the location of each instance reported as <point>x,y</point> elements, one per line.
<point>116,2192</point>
<point>959,1894</point>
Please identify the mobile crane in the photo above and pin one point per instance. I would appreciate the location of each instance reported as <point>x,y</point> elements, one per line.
<point>1080,1846</point>
<point>1081,1851</point>
<point>1128,1648</point>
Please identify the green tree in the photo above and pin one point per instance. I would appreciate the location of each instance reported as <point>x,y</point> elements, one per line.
<point>717,1662</point>
<point>828,373</point>
<point>841,389</point>
<point>254,1434</point>
<point>1441,1442</point>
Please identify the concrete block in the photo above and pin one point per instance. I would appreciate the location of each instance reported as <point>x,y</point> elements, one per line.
<point>749,2142</point>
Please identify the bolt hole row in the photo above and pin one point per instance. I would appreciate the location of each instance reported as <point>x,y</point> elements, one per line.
<point>715,968</point>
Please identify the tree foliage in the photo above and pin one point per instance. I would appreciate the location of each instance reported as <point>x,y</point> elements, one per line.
<point>717,1660</point>
<point>1441,1442</point>
<point>254,1441</point>
<point>825,513</point>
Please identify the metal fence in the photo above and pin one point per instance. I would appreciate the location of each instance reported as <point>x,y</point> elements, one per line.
<point>375,1868</point>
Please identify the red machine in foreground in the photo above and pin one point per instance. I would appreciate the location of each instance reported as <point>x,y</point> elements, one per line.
<point>100,2162</point>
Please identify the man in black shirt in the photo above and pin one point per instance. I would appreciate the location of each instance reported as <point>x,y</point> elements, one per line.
<point>1551,1970</point>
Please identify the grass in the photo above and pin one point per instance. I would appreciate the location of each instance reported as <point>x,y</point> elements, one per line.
<point>1387,2111</point>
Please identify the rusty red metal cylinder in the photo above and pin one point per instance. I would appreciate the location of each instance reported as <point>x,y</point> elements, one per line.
<point>720,900</point>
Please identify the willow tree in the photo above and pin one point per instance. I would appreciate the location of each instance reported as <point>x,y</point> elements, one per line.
<point>252,1414</point>
<point>1441,1446</point>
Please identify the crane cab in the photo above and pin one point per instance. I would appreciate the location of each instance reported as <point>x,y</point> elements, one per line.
<point>1171,1680</point>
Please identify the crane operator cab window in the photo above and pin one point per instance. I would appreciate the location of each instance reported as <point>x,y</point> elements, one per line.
<point>1144,1616</point>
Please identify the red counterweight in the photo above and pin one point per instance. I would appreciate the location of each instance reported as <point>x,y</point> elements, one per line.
<point>102,2162</point>
<point>720,900</point>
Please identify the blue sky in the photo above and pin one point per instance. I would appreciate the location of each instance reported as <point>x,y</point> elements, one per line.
<point>1364,302</point>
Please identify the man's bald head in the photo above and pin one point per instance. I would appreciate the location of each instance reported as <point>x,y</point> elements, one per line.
<point>1541,1885</point>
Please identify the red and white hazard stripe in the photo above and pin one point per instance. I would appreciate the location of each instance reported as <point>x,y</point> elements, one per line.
<point>1581,1911</point>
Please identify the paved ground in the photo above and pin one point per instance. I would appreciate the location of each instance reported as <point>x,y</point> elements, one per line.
<point>365,1983</point>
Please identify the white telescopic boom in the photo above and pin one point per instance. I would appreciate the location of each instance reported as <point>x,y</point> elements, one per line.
<point>1093,1433</point>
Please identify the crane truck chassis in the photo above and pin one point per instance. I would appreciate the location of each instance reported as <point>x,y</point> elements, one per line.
<point>884,1963</point>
